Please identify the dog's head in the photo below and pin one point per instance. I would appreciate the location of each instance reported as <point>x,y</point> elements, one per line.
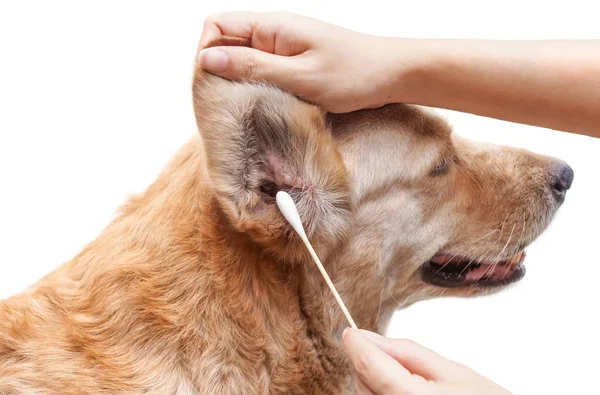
<point>389,195</point>
<point>440,214</point>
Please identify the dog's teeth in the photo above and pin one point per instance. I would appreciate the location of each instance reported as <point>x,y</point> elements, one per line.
<point>516,259</point>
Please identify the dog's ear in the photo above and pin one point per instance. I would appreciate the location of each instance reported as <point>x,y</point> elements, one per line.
<point>259,140</point>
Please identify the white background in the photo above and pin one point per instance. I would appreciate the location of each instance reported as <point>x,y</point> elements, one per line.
<point>95,97</point>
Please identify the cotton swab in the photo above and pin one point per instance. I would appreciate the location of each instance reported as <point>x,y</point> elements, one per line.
<point>290,212</point>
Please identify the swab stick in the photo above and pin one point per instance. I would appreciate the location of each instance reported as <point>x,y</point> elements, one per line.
<point>290,212</point>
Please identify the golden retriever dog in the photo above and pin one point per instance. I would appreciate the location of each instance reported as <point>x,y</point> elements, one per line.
<point>200,286</point>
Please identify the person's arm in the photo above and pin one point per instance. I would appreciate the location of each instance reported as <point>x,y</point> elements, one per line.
<point>554,84</point>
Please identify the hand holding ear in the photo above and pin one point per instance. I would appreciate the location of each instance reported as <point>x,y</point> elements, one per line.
<point>401,367</point>
<point>541,83</point>
<point>338,69</point>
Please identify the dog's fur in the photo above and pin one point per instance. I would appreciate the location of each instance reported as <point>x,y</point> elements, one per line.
<point>199,286</point>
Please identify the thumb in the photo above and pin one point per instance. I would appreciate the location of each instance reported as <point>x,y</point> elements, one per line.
<point>381,373</point>
<point>242,63</point>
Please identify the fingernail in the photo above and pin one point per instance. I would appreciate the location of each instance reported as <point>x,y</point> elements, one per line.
<point>213,60</point>
<point>345,332</point>
<point>371,335</point>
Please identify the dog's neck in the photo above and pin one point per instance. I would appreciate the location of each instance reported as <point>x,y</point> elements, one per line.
<point>185,265</point>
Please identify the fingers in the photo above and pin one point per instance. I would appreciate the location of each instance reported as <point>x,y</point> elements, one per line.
<point>254,26</point>
<point>361,388</point>
<point>242,63</point>
<point>235,24</point>
<point>259,53</point>
<point>379,372</point>
<point>418,359</point>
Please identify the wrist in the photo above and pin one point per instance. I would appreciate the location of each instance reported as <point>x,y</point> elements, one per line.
<point>405,70</point>
<point>417,71</point>
<point>417,68</point>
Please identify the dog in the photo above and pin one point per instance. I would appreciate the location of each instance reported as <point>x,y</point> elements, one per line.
<point>199,285</point>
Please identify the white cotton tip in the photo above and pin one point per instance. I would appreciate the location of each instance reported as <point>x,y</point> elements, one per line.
<point>290,212</point>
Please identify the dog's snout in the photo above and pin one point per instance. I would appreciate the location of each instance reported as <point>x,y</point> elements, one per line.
<point>561,179</point>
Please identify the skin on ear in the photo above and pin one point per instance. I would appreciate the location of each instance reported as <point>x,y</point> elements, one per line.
<point>259,140</point>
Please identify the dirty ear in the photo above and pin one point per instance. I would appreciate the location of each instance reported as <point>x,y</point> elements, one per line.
<point>259,140</point>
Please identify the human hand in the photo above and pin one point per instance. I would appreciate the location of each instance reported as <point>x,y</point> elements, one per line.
<point>542,83</point>
<point>338,69</point>
<point>401,367</point>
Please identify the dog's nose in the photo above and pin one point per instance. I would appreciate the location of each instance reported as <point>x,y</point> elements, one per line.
<point>561,179</point>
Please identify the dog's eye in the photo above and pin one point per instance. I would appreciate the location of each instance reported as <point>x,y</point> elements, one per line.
<point>441,167</point>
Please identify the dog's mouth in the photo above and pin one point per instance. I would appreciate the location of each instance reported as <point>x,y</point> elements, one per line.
<point>453,271</point>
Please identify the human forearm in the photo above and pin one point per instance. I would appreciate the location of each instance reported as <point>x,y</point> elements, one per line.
<point>554,84</point>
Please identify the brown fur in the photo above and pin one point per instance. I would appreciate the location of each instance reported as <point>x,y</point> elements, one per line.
<point>200,287</point>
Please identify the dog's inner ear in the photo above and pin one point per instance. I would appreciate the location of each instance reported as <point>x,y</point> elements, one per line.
<point>269,190</point>
<point>258,140</point>
<point>276,149</point>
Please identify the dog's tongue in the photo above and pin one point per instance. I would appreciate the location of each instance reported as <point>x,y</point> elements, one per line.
<point>497,271</point>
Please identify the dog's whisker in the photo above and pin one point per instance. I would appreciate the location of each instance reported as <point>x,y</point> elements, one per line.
<point>486,251</point>
<point>495,261</point>
<point>516,248</point>
<point>472,243</point>
<point>507,243</point>
<point>486,247</point>
<point>466,267</point>
<point>487,235</point>
<point>446,264</point>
